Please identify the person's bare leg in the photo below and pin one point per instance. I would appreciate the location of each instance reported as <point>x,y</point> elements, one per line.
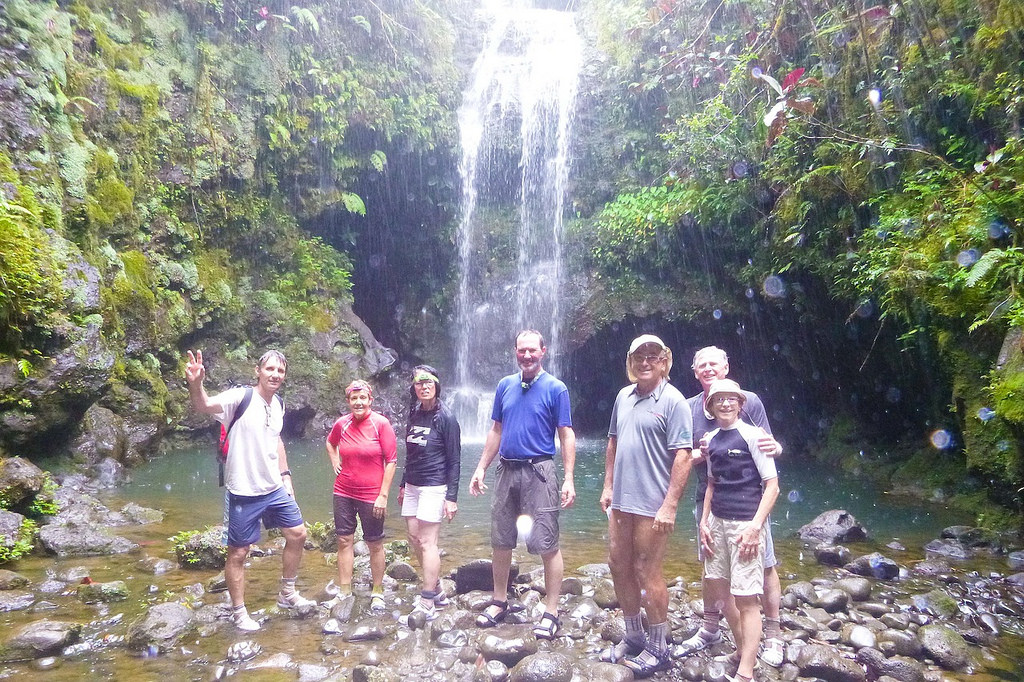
<point>430,555</point>
<point>291,557</point>
<point>234,574</point>
<point>648,557</point>
<point>747,632</point>
<point>346,560</point>
<point>412,527</point>
<point>376,563</point>
<point>620,561</point>
<point>553,571</point>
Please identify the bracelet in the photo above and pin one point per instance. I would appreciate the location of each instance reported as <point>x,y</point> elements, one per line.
<point>286,472</point>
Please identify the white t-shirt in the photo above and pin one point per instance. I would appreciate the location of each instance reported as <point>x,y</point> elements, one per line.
<point>252,466</point>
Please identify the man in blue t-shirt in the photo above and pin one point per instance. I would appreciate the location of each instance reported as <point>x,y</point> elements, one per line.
<point>530,407</point>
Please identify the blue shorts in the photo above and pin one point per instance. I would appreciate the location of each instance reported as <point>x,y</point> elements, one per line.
<point>276,509</point>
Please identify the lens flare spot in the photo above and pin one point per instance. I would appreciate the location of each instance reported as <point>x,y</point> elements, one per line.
<point>794,496</point>
<point>967,257</point>
<point>524,524</point>
<point>774,287</point>
<point>717,314</point>
<point>875,97</point>
<point>941,439</point>
<point>750,292</point>
<point>986,413</point>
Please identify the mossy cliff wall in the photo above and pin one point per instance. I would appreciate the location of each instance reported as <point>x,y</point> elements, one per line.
<point>161,164</point>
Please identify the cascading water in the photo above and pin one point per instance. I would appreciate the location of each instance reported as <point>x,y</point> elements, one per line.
<point>515,123</point>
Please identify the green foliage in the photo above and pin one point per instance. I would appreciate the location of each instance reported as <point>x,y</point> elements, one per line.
<point>23,544</point>
<point>45,502</point>
<point>30,288</point>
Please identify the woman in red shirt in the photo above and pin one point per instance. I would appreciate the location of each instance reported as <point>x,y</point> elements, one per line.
<point>364,455</point>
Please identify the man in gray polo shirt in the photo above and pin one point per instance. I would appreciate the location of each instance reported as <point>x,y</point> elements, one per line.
<point>647,462</point>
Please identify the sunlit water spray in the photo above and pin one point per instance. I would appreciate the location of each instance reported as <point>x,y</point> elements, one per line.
<point>515,124</point>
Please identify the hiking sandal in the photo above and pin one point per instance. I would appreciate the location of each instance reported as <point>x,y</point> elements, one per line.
<point>486,620</point>
<point>546,627</point>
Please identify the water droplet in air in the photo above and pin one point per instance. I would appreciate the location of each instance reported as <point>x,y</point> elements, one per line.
<point>168,487</point>
<point>893,395</point>
<point>717,314</point>
<point>740,169</point>
<point>942,439</point>
<point>774,287</point>
<point>524,524</point>
<point>967,257</point>
<point>875,97</point>
<point>750,292</point>
<point>986,413</point>
<point>864,309</point>
<point>756,72</point>
<point>794,496</point>
<point>998,230</point>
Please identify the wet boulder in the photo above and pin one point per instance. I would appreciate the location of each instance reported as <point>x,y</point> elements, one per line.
<point>20,481</point>
<point>402,570</point>
<point>201,550</point>
<point>507,644</point>
<point>100,435</point>
<point>936,603</point>
<point>595,671</point>
<point>39,639</point>
<point>604,594</point>
<point>476,575</point>
<point>91,593</point>
<point>65,541</point>
<point>858,588</point>
<point>10,528</point>
<point>874,565</point>
<point>817,660</point>
<point>898,668</point>
<point>372,673</point>
<point>833,527</point>
<point>943,644</point>
<point>948,547</point>
<point>544,667</point>
<point>9,580</point>
<point>163,626</point>
<point>828,554</point>
<point>14,600</point>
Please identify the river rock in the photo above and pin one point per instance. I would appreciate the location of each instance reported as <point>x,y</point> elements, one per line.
<point>10,580</point>
<point>136,515</point>
<point>66,541</point>
<point>857,636</point>
<point>828,554</point>
<point>931,567</point>
<point>833,526</point>
<point>874,565</point>
<point>859,589</point>
<point>402,570</point>
<point>604,594</point>
<point>364,632</point>
<point>101,435</point>
<point>543,667</point>
<point>20,481</point>
<point>508,644</point>
<point>595,571</point>
<point>817,660</point>
<point>38,639</point>
<point>243,651</point>
<point>596,671</point>
<point>163,626</point>
<point>476,575</point>
<point>898,668</point>
<point>948,547</point>
<point>936,603</point>
<point>572,585</point>
<point>157,565</point>
<point>946,647</point>
<point>342,609</point>
<point>900,642</point>
<point>832,600</point>
<point>587,613</point>
<point>203,550</point>
<point>1016,559</point>
<point>372,673</point>
<point>91,592</point>
<point>11,600</point>
<point>10,527</point>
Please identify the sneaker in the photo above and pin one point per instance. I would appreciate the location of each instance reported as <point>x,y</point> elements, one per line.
<point>441,600</point>
<point>429,612</point>
<point>773,651</point>
<point>293,600</point>
<point>698,641</point>
<point>246,623</point>
<point>377,603</point>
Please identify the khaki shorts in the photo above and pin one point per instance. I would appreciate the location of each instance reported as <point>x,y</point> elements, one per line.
<point>527,489</point>
<point>745,577</point>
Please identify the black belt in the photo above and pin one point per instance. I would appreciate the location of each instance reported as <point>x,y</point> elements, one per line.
<point>526,460</point>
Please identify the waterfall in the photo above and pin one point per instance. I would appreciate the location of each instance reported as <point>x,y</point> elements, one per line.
<point>515,124</point>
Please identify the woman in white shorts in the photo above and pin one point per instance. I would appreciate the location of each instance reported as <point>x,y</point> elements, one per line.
<point>743,485</point>
<point>430,481</point>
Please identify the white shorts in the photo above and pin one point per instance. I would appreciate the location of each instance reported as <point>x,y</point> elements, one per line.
<point>426,502</point>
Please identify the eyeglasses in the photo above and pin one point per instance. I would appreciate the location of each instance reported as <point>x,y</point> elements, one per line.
<point>725,399</point>
<point>649,359</point>
<point>423,383</point>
